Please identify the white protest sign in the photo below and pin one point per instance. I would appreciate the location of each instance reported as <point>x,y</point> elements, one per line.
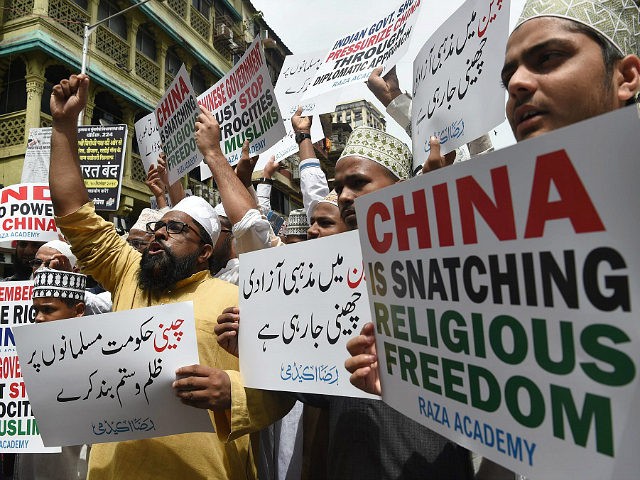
<point>320,301</point>
<point>175,117</point>
<point>35,168</point>
<point>281,150</point>
<point>26,213</point>
<point>106,378</point>
<point>18,428</point>
<point>505,298</point>
<point>354,56</point>
<point>245,106</point>
<point>456,75</point>
<point>295,77</point>
<point>148,138</point>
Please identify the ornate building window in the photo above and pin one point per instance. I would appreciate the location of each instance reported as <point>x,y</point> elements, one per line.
<point>118,24</point>
<point>203,6</point>
<point>198,81</point>
<point>145,43</point>
<point>13,88</point>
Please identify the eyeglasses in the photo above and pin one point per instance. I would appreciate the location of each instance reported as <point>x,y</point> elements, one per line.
<point>37,262</point>
<point>135,243</point>
<point>173,227</point>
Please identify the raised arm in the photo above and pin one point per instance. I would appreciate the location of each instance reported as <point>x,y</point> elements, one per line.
<point>236,198</point>
<point>157,186</point>
<point>386,88</point>
<point>68,99</point>
<point>176,191</point>
<point>302,124</point>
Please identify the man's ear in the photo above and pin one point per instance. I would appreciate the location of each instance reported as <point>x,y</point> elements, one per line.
<point>205,253</point>
<point>627,71</point>
<point>79,308</point>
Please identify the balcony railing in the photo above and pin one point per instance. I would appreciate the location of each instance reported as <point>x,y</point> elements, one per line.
<point>147,69</point>
<point>69,15</point>
<point>178,6</point>
<point>137,169</point>
<point>45,120</point>
<point>200,23</point>
<point>18,9</point>
<point>12,127</point>
<point>113,46</point>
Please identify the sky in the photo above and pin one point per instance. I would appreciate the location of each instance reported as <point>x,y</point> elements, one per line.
<point>307,26</point>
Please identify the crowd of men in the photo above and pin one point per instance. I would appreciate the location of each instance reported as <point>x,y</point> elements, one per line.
<point>562,65</point>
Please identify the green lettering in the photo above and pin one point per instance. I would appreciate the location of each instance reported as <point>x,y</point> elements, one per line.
<point>450,380</point>
<point>541,347</point>
<point>595,408</point>
<point>492,402</point>
<point>428,372</point>
<point>624,370</point>
<point>382,318</point>
<point>456,340</point>
<point>408,364</point>
<point>519,339</point>
<point>536,401</point>
<point>397,320</point>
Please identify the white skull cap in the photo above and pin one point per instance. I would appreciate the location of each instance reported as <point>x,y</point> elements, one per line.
<point>202,212</point>
<point>64,248</point>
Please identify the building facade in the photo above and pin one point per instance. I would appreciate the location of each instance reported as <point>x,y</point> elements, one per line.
<point>360,113</point>
<point>133,57</point>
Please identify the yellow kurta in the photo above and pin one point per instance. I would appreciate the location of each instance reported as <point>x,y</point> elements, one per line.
<point>114,264</point>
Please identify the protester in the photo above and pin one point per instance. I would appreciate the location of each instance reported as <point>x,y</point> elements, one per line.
<point>173,268</point>
<point>325,217</point>
<point>321,205</point>
<point>55,254</point>
<point>263,188</point>
<point>157,186</point>
<point>22,258</point>
<point>138,236</point>
<point>566,62</point>
<point>297,226</point>
<point>57,295</point>
<point>158,182</point>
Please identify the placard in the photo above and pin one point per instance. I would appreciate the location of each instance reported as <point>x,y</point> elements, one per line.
<point>353,56</point>
<point>504,294</point>
<point>319,289</point>
<point>19,431</point>
<point>26,213</point>
<point>107,378</point>
<point>456,75</point>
